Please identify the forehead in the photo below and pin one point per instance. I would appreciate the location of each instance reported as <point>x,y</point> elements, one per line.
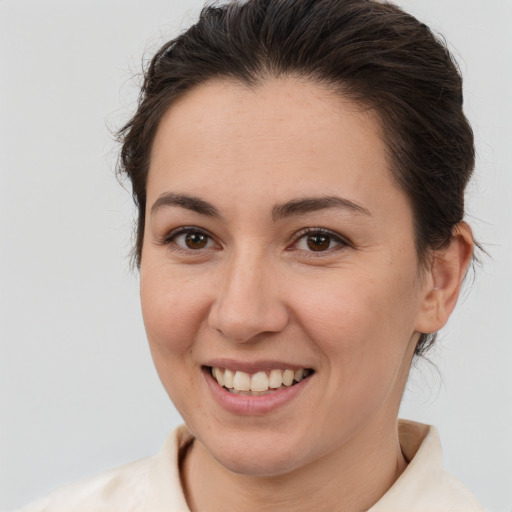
<point>283,133</point>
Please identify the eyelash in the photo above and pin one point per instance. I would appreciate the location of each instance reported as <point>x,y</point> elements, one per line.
<point>331,235</point>
<point>341,242</point>
<point>170,239</point>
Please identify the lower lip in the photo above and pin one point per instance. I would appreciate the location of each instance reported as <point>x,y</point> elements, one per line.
<point>253,405</point>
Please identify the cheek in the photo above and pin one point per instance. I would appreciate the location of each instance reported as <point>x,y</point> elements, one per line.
<point>361,323</point>
<point>363,331</point>
<point>173,313</point>
<point>172,309</point>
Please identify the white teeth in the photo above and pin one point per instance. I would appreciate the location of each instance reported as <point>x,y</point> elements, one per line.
<point>242,381</point>
<point>259,381</point>
<point>288,376</point>
<point>219,375</point>
<point>228,379</point>
<point>275,379</point>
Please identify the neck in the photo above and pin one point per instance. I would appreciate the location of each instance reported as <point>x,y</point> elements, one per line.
<point>350,479</point>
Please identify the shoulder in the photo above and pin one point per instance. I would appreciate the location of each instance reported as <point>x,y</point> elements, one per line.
<point>425,486</point>
<point>118,486</point>
<point>148,484</point>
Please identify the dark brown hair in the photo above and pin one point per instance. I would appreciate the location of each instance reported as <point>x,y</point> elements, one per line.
<point>370,52</point>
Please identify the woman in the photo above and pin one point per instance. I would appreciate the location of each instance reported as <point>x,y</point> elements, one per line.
<point>299,169</point>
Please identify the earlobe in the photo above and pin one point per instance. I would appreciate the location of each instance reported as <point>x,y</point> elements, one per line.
<point>445,276</point>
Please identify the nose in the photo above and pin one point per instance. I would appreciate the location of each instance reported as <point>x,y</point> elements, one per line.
<point>248,303</point>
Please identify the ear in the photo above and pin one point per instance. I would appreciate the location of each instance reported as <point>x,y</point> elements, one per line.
<point>443,280</point>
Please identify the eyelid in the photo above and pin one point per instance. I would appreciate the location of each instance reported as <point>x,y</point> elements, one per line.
<point>168,239</point>
<point>343,241</point>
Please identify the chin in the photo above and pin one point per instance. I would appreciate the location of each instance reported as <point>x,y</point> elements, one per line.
<point>252,465</point>
<point>261,456</point>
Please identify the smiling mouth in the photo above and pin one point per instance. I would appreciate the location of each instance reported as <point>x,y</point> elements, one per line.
<point>259,383</point>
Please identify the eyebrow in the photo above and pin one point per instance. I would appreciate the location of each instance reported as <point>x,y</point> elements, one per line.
<point>313,204</point>
<point>280,211</point>
<point>185,201</point>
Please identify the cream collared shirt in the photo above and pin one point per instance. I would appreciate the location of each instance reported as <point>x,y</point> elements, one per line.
<point>153,484</point>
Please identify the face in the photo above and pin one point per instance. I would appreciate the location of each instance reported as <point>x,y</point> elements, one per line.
<point>277,240</point>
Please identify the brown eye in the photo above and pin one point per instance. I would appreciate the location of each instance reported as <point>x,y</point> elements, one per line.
<point>194,240</point>
<point>319,242</point>
<point>191,239</point>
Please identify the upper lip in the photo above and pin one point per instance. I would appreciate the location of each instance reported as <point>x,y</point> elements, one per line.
<point>253,366</point>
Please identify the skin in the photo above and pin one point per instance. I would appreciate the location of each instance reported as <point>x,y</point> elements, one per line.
<point>256,291</point>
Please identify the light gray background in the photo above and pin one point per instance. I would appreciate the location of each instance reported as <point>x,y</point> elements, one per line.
<point>78,390</point>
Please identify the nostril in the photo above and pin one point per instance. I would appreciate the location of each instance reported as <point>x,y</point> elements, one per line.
<point>247,305</point>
